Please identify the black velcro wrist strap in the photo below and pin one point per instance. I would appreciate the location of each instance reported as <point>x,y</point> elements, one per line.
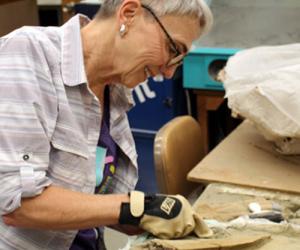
<point>126,218</point>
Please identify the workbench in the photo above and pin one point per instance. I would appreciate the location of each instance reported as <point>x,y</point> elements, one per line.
<point>245,166</point>
<point>245,158</point>
<point>221,200</point>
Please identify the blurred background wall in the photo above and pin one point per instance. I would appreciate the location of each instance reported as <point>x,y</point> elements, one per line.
<point>16,13</point>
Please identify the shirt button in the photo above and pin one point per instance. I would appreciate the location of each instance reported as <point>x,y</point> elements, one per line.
<point>25,157</point>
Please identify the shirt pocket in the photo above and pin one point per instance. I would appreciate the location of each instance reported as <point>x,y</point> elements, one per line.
<point>70,165</point>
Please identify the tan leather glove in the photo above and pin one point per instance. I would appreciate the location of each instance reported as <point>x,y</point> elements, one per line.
<point>166,217</point>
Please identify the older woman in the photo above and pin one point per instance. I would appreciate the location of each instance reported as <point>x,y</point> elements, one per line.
<point>64,134</point>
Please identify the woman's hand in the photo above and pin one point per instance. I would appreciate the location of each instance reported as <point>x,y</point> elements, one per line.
<point>166,217</point>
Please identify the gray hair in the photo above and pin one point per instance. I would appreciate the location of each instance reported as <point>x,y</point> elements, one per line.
<point>197,8</point>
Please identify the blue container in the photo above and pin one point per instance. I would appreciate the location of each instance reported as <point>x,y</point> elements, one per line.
<point>202,65</point>
<point>154,107</point>
<point>156,104</point>
<point>144,144</point>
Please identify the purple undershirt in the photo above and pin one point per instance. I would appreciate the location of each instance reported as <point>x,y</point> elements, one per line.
<point>89,239</point>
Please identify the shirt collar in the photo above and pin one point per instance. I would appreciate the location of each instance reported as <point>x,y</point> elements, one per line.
<point>72,61</point>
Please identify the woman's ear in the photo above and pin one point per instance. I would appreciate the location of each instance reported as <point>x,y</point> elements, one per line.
<point>128,11</point>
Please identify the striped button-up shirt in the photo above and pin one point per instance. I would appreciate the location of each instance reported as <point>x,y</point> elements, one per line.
<point>49,126</point>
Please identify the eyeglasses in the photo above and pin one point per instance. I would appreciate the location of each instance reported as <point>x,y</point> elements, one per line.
<point>177,59</point>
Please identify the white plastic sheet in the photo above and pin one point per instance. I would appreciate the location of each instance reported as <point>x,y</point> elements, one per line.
<point>263,85</point>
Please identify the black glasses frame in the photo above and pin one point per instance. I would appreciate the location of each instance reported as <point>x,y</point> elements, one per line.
<point>178,55</point>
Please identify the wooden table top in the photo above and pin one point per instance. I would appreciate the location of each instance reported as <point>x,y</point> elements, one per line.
<point>245,158</point>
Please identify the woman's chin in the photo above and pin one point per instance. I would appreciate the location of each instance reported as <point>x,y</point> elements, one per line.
<point>134,81</point>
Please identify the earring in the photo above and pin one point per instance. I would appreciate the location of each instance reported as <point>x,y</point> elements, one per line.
<point>122,30</point>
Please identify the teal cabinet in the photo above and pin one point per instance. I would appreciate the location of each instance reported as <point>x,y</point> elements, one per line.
<point>202,65</point>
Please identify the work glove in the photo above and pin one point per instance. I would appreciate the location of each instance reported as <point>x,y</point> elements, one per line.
<point>166,217</point>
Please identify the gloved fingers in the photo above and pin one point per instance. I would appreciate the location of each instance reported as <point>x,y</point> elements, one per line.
<point>167,229</point>
<point>201,229</point>
<point>168,217</point>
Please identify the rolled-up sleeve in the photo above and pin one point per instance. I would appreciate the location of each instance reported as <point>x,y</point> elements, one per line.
<point>24,127</point>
